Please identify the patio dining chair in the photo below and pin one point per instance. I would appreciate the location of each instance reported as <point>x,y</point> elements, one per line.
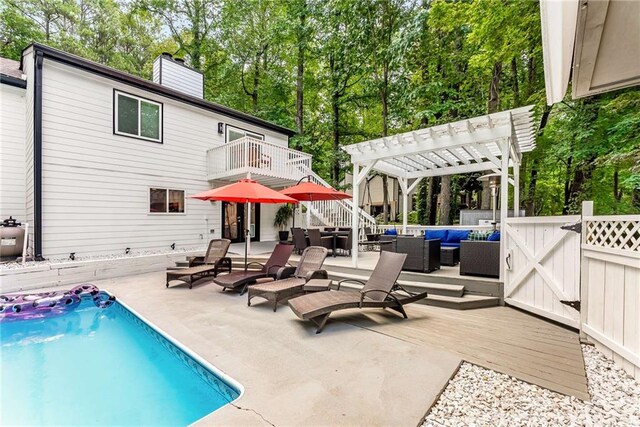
<point>299,240</point>
<point>344,242</point>
<point>316,239</point>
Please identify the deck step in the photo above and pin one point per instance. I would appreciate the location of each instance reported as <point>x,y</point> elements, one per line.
<point>466,302</point>
<point>432,288</point>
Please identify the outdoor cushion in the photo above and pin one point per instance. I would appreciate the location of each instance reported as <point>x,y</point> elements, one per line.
<point>479,235</point>
<point>436,234</point>
<point>454,236</point>
<point>494,237</point>
<point>390,232</point>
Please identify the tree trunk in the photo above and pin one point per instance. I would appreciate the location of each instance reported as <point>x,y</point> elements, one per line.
<point>256,82</point>
<point>494,89</point>
<point>617,192</point>
<point>385,198</point>
<point>432,199</point>
<point>444,214</point>
<point>422,203</point>
<point>530,204</point>
<point>581,176</point>
<point>335,110</point>
<point>567,186</point>
<point>196,44</point>
<point>300,74</point>
<point>516,88</point>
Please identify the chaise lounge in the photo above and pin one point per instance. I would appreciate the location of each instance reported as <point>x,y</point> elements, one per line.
<point>236,279</point>
<point>290,282</point>
<point>214,262</point>
<point>380,291</point>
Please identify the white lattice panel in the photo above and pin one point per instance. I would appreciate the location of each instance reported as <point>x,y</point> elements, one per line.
<point>622,232</point>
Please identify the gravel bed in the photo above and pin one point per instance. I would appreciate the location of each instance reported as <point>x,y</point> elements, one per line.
<point>132,254</point>
<point>482,397</point>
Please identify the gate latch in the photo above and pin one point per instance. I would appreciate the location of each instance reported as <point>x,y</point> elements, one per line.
<point>573,304</point>
<point>577,227</point>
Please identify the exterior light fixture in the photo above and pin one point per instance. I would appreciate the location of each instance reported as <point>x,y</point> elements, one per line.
<point>173,246</point>
<point>72,256</point>
<point>220,128</point>
<point>127,250</point>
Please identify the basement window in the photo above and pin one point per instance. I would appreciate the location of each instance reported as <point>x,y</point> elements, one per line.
<point>164,200</point>
<point>137,117</point>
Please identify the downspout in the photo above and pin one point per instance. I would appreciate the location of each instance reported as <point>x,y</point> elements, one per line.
<point>37,157</point>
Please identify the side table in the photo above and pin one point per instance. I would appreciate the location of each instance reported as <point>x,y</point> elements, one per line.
<point>449,256</point>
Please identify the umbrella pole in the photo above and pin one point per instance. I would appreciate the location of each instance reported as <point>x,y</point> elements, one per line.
<point>247,233</point>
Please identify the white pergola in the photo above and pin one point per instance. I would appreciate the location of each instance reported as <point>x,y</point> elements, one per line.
<point>494,142</point>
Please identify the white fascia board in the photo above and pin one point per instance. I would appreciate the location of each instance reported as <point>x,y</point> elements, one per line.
<point>558,19</point>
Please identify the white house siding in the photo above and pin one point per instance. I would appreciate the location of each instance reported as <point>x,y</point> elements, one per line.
<point>178,77</point>
<point>96,184</point>
<point>12,153</point>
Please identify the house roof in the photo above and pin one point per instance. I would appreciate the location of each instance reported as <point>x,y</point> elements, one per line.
<point>10,73</point>
<point>471,145</point>
<point>113,74</point>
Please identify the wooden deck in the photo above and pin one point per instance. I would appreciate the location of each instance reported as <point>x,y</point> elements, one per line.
<point>499,338</point>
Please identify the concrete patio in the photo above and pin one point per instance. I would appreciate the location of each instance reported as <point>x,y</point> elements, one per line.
<point>346,376</point>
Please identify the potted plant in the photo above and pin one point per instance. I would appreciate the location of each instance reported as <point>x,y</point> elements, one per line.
<point>283,214</point>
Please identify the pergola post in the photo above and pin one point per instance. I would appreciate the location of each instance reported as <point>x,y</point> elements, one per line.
<point>504,200</point>
<point>405,198</point>
<point>355,227</point>
<point>516,188</point>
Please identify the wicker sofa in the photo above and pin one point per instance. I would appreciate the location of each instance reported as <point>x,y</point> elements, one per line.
<point>480,258</point>
<point>422,255</point>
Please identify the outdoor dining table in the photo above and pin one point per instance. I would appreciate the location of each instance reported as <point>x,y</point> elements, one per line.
<point>335,235</point>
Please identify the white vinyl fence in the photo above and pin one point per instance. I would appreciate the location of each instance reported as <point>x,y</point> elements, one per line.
<point>582,271</point>
<point>611,286</point>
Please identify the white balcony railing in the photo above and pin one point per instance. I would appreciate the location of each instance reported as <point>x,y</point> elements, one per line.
<point>249,155</point>
<point>261,159</point>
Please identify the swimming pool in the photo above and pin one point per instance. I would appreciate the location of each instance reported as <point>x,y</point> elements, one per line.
<point>95,366</point>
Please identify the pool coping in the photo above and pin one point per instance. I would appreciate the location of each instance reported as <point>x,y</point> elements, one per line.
<point>196,357</point>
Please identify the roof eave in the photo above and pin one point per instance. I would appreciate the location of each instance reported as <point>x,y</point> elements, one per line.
<point>113,74</point>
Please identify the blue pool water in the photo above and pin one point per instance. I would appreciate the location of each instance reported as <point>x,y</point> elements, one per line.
<point>101,367</point>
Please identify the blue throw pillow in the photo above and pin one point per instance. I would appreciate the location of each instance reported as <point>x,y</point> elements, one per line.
<point>390,232</point>
<point>454,236</point>
<point>436,234</point>
<point>494,237</point>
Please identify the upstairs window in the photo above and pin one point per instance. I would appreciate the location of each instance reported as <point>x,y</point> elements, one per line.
<point>137,117</point>
<point>164,200</point>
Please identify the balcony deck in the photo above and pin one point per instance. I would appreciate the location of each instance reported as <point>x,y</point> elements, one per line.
<point>270,164</point>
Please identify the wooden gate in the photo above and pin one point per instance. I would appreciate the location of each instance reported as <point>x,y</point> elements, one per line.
<point>542,266</point>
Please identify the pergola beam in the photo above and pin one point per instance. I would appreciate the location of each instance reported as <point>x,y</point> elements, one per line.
<point>452,170</point>
<point>438,143</point>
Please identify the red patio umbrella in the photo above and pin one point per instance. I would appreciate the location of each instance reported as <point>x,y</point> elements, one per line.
<point>310,191</point>
<point>245,191</point>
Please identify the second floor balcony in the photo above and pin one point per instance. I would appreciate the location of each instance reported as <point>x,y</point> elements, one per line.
<point>268,163</point>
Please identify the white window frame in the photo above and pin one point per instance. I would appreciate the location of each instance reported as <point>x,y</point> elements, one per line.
<point>116,106</point>
<point>167,205</point>
<point>249,133</point>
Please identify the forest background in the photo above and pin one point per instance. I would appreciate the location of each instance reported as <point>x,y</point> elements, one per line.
<point>344,71</point>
